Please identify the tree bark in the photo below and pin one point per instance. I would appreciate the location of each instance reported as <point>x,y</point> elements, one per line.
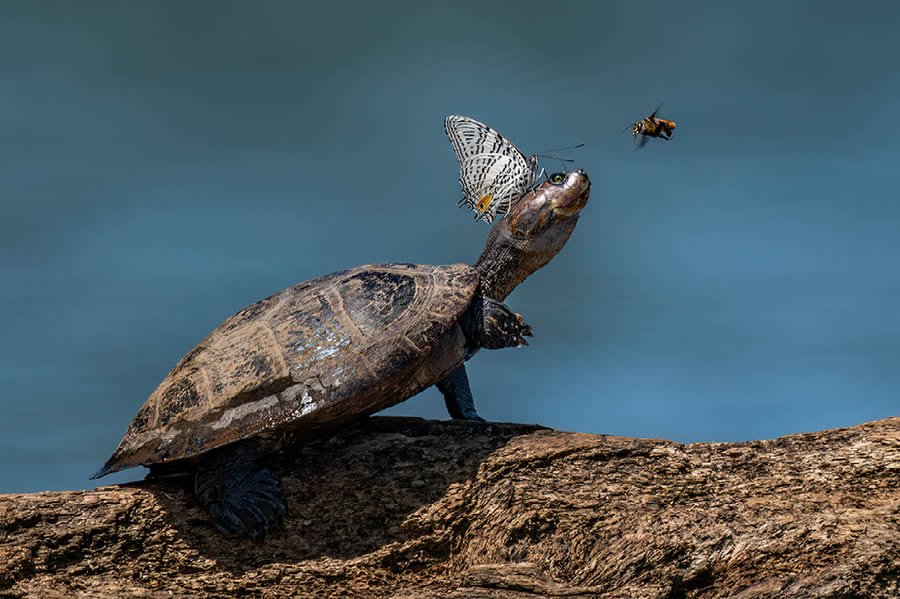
<point>407,508</point>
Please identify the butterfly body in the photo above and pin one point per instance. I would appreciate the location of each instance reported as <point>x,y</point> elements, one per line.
<point>493,173</point>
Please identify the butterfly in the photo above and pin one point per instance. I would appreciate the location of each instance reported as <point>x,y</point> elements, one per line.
<point>493,172</point>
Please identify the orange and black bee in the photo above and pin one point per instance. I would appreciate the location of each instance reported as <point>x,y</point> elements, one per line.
<point>652,127</point>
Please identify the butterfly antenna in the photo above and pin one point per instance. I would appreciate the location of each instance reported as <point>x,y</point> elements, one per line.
<point>543,152</point>
<point>560,158</point>
<point>557,156</point>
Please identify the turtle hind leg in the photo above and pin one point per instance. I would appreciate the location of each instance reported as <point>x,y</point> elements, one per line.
<point>241,498</point>
<point>491,325</point>
<point>458,396</point>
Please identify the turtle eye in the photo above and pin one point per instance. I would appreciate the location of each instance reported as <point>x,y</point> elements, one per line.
<point>557,178</point>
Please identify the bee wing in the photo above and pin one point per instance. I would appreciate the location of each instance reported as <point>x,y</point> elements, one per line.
<point>493,172</point>
<point>643,142</point>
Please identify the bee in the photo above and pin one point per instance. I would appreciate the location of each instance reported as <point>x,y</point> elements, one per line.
<point>652,127</point>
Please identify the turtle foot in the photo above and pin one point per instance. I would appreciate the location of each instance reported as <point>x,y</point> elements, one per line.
<point>458,396</point>
<point>240,498</point>
<point>254,507</point>
<point>503,327</point>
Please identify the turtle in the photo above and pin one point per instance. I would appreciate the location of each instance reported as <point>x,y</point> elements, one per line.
<point>334,349</point>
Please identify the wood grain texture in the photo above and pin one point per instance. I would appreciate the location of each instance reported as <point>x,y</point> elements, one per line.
<point>407,508</point>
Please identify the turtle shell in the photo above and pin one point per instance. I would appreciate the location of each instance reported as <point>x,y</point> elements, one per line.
<point>312,356</point>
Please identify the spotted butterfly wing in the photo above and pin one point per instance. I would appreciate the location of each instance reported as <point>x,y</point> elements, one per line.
<point>493,172</point>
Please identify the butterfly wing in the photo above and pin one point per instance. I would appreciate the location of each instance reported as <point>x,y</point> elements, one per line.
<point>493,173</point>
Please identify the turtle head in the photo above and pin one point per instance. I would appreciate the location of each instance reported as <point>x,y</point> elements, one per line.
<point>534,230</point>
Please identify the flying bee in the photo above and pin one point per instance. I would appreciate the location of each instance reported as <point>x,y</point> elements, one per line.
<point>652,127</point>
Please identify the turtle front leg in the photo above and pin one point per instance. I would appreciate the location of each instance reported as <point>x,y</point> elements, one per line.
<point>491,325</point>
<point>241,498</point>
<point>458,396</point>
<point>486,324</point>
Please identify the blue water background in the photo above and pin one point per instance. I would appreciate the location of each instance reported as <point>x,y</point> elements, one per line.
<point>164,164</point>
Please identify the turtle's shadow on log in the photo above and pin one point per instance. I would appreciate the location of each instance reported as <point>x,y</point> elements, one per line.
<point>348,494</point>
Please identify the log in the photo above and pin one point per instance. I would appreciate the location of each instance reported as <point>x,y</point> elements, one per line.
<point>407,508</point>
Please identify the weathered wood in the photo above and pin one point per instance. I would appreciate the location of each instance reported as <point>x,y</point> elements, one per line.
<point>407,508</point>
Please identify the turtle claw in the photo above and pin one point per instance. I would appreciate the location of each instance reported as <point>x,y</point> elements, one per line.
<point>521,330</point>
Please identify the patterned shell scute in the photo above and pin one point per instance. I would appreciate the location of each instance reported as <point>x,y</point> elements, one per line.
<point>304,357</point>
